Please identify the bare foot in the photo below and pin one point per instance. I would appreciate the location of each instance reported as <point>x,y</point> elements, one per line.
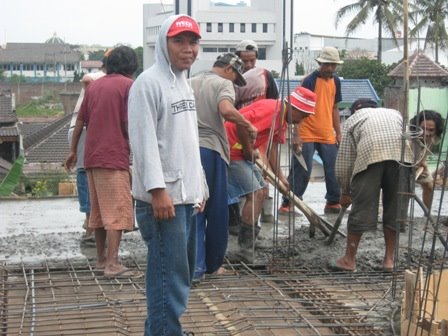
<point>342,264</point>
<point>100,265</point>
<point>221,271</point>
<point>110,270</point>
<point>388,264</point>
<point>122,272</point>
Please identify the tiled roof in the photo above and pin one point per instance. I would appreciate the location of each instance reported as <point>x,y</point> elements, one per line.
<point>42,133</point>
<point>7,115</point>
<point>420,65</point>
<point>52,145</point>
<point>28,128</point>
<point>38,53</point>
<point>352,89</point>
<point>11,131</point>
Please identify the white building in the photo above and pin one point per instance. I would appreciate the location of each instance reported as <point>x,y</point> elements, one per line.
<point>53,60</point>
<point>223,26</point>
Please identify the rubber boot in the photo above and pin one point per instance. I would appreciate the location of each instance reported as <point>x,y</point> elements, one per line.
<point>246,238</point>
<point>266,212</point>
<point>234,219</point>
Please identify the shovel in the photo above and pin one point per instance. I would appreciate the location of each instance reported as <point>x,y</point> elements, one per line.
<point>315,220</point>
<point>335,228</point>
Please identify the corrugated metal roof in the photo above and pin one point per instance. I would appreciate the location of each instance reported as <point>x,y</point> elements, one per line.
<point>352,89</point>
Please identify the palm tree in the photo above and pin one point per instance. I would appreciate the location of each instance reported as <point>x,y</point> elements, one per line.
<point>432,15</point>
<point>387,14</point>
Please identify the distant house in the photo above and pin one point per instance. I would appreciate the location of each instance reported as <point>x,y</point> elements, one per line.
<point>9,132</point>
<point>53,60</point>
<point>428,89</point>
<point>425,76</point>
<point>91,66</point>
<point>45,144</point>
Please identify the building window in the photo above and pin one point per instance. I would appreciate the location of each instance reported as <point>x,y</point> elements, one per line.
<point>254,27</point>
<point>231,27</point>
<point>261,53</point>
<point>265,27</point>
<point>242,27</point>
<point>223,50</point>
<point>209,27</point>
<point>220,25</point>
<point>208,50</point>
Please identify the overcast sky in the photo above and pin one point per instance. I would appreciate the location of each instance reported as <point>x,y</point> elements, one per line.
<point>120,21</point>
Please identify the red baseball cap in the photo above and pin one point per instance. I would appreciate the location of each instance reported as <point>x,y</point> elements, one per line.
<point>184,24</point>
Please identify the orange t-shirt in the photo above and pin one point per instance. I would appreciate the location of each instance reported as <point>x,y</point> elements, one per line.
<point>319,127</point>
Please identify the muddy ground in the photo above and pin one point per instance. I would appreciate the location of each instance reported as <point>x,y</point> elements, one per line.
<point>32,231</point>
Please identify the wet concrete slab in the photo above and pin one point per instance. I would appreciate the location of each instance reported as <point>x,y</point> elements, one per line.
<point>42,229</point>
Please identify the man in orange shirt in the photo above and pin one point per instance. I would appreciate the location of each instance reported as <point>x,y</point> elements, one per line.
<point>320,132</point>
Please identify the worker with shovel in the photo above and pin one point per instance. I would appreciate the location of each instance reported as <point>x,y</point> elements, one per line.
<point>244,178</point>
<point>368,162</point>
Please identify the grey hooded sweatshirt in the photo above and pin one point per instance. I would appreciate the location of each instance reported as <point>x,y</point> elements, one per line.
<point>163,131</point>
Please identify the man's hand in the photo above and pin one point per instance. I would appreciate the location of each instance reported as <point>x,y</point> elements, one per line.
<point>250,154</point>
<point>345,200</point>
<point>297,143</point>
<point>70,161</point>
<point>338,138</point>
<point>252,131</point>
<point>285,182</point>
<point>162,205</point>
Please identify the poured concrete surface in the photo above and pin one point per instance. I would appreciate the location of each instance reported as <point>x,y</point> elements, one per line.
<point>39,229</point>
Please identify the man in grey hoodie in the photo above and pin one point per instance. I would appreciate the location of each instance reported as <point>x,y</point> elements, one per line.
<point>168,180</point>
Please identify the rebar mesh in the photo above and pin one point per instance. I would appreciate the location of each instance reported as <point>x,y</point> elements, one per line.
<point>73,299</point>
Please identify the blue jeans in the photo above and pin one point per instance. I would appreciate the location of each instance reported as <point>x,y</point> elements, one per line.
<point>170,265</point>
<point>213,223</point>
<point>83,190</point>
<point>298,177</point>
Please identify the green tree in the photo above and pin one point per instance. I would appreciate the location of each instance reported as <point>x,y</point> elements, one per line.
<point>17,79</point>
<point>77,76</point>
<point>431,15</point>
<point>363,68</point>
<point>97,55</point>
<point>300,69</point>
<point>386,13</point>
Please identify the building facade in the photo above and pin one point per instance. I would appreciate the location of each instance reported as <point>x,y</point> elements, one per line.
<point>53,60</point>
<point>223,26</point>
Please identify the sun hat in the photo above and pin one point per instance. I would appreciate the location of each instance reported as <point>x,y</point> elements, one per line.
<point>303,99</point>
<point>247,45</point>
<point>329,55</point>
<point>237,65</point>
<point>184,24</point>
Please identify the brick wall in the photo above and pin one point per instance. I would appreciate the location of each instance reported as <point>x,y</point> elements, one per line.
<point>24,92</point>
